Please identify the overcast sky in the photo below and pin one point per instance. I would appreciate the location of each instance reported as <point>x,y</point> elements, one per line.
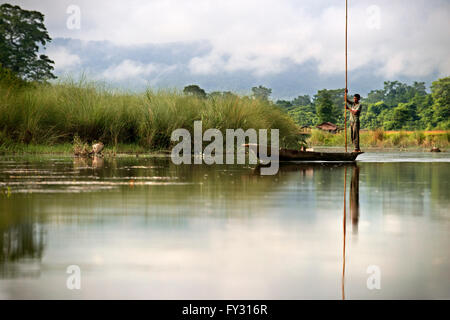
<point>291,45</point>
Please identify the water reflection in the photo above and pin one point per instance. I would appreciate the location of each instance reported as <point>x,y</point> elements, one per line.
<point>354,199</point>
<point>96,162</point>
<point>344,226</point>
<point>145,228</point>
<point>21,240</point>
<point>354,212</point>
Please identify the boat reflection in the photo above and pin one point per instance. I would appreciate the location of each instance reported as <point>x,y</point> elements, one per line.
<point>306,168</point>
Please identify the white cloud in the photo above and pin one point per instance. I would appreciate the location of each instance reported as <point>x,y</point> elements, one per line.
<point>411,38</point>
<point>128,69</point>
<point>64,60</point>
<point>134,70</point>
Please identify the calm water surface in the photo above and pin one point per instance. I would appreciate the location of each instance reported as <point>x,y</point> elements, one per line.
<point>147,229</point>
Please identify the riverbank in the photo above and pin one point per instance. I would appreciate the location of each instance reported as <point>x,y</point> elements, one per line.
<point>371,141</point>
<point>134,149</point>
<point>67,149</point>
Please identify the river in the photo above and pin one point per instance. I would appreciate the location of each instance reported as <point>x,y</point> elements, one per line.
<point>144,228</point>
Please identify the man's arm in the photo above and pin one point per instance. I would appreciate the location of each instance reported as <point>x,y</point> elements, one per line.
<point>355,112</point>
<point>348,101</point>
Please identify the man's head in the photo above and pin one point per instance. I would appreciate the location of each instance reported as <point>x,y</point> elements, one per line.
<point>356,98</point>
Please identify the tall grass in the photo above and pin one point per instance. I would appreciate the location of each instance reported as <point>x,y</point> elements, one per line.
<point>50,114</point>
<point>379,138</point>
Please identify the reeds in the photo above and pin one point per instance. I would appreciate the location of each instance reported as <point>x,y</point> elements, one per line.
<point>53,114</point>
<point>381,139</point>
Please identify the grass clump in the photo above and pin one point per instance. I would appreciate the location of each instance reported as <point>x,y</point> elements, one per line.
<point>418,137</point>
<point>84,111</point>
<point>80,148</point>
<point>398,139</point>
<point>377,137</point>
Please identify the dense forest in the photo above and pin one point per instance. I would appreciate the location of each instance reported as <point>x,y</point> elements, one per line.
<point>397,106</point>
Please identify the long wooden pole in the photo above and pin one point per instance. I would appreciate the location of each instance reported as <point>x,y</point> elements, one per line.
<point>346,78</point>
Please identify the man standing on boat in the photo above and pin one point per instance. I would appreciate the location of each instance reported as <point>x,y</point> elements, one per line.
<point>355,111</point>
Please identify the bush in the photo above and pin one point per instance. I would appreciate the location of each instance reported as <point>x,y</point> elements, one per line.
<point>397,139</point>
<point>377,136</point>
<point>9,79</point>
<point>419,137</point>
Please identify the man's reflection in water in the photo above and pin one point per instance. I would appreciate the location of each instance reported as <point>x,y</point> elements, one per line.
<point>354,212</point>
<point>354,199</point>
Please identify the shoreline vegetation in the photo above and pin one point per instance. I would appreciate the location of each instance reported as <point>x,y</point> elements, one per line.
<point>374,141</point>
<point>48,118</point>
<point>380,139</point>
<point>34,118</point>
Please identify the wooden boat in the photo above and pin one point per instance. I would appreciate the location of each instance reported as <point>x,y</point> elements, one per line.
<point>297,155</point>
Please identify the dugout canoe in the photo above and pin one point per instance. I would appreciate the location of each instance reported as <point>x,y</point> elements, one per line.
<point>297,155</point>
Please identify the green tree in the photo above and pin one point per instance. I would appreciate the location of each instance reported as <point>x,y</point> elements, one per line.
<point>304,100</point>
<point>395,92</point>
<point>370,118</point>
<point>375,96</point>
<point>425,112</point>
<point>303,116</point>
<point>285,104</point>
<point>261,93</point>
<point>324,106</point>
<point>222,94</point>
<point>440,91</point>
<point>194,90</point>
<point>337,97</point>
<point>396,106</point>
<point>10,79</point>
<point>22,32</point>
<point>419,88</point>
<point>400,116</point>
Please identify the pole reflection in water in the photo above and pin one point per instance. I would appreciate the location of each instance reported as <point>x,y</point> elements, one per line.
<point>344,227</point>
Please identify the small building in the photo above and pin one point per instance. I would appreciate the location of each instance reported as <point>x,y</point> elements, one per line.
<point>329,127</point>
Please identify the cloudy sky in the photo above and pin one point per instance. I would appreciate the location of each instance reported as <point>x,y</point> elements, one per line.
<point>291,46</point>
